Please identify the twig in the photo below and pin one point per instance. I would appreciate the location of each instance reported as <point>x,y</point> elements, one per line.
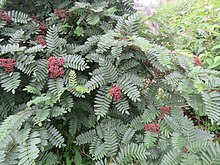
<point>11,148</point>
<point>83,152</point>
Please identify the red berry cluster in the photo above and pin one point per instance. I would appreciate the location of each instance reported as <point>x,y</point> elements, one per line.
<point>35,19</point>
<point>43,29</point>
<point>8,64</point>
<point>166,109</point>
<point>197,61</point>
<point>152,127</point>
<point>41,40</point>
<point>172,52</point>
<point>116,93</point>
<point>63,14</point>
<point>5,17</point>
<point>42,26</point>
<point>185,150</point>
<point>55,67</point>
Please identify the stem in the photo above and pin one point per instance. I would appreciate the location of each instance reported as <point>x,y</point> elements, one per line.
<point>83,152</point>
<point>11,148</point>
<point>114,160</point>
<point>110,161</point>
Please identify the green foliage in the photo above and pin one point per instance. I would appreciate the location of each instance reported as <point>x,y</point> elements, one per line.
<point>191,29</point>
<point>52,38</point>
<point>10,82</point>
<point>101,104</point>
<point>195,27</point>
<point>211,105</point>
<point>10,48</point>
<point>18,17</point>
<point>76,117</point>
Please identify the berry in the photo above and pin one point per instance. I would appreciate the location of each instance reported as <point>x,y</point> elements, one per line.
<point>152,127</point>
<point>8,64</point>
<point>197,61</point>
<point>166,109</point>
<point>55,67</point>
<point>56,12</point>
<point>185,150</point>
<point>5,17</point>
<point>35,19</point>
<point>172,52</point>
<point>63,14</point>
<point>43,27</point>
<point>41,39</point>
<point>116,93</point>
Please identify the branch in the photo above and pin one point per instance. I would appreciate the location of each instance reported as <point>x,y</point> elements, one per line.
<point>11,148</point>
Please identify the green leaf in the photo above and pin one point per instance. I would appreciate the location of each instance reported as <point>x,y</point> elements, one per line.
<point>68,160</point>
<point>215,48</point>
<point>217,59</point>
<point>212,105</point>
<point>93,19</point>
<point>77,158</point>
<point>79,31</point>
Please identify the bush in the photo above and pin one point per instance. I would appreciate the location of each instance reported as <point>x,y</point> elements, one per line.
<point>196,27</point>
<point>83,86</point>
<point>190,28</point>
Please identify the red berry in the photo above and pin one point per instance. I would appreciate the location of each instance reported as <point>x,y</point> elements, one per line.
<point>185,150</point>
<point>41,39</point>
<point>35,19</point>
<point>63,14</point>
<point>7,64</point>
<point>116,93</point>
<point>61,61</point>
<point>55,67</point>
<point>152,127</point>
<point>197,61</point>
<point>172,52</point>
<point>166,109</point>
<point>5,17</point>
<point>43,27</point>
<point>56,12</point>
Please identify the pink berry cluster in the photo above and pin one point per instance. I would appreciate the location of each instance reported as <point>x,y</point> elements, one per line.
<point>152,127</point>
<point>172,52</point>
<point>55,67</point>
<point>41,39</point>
<point>116,93</point>
<point>5,17</point>
<point>197,61</point>
<point>166,109</point>
<point>35,19</point>
<point>8,64</point>
<point>42,27</point>
<point>63,14</point>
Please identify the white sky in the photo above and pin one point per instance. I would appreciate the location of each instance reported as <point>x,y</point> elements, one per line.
<point>146,2</point>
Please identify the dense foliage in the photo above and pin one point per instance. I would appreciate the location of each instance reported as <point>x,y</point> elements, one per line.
<point>191,28</point>
<point>196,24</point>
<point>81,83</point>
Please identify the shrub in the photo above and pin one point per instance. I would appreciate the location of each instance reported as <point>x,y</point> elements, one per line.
<point>93,91</point>
<point>195,25</point>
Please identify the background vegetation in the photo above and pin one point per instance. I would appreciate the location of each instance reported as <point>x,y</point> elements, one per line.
<point>191,28</point>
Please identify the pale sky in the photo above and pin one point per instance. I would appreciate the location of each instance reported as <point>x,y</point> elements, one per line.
<point>146,2</point>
